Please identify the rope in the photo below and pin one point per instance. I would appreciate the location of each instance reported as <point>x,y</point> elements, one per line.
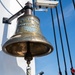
<point>28,70</point>
<point>61,42</point>
<point>5,7</point>
<point>66,34</point>
<point>33,7</point>
<point>19,3</point>
<point>73,3</point>
<point>55,43</point>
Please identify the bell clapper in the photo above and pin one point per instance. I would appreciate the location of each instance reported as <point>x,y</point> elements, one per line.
<point>28,57</point>
<point>28,69</point>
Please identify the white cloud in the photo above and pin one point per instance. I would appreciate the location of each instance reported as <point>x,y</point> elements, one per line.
<point>68,12</point>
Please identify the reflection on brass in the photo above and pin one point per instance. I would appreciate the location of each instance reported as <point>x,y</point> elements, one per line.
<point>28,31</point>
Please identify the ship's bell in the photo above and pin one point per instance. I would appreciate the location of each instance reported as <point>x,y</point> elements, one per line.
<point>28,37</point>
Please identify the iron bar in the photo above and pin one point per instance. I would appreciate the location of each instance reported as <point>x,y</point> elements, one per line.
<point>55,43</point>
<point>8,20</point>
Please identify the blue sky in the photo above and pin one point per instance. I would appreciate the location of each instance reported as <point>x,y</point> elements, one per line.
<point>48,63</point>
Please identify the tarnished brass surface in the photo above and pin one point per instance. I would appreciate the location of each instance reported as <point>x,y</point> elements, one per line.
<point>28,30</point>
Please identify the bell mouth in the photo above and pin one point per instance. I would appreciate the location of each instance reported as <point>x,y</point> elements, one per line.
<point>20,48</point>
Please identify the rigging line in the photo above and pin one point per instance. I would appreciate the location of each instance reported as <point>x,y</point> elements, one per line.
<point>34,7</point>
<point>19,3</point>
<point>61,41</point>
<point>66,34</point>
<point>73,3</point>
<point>5,7</point>
<point>55,43</point>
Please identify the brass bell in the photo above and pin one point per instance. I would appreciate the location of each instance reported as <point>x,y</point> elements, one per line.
<point>28,40</point>
<point>28,31</point>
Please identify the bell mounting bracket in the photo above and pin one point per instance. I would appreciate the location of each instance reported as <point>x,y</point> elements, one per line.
<point>8,20</point>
